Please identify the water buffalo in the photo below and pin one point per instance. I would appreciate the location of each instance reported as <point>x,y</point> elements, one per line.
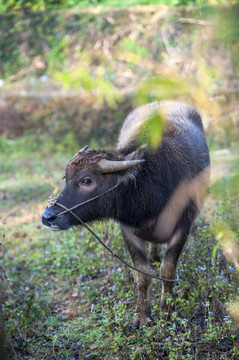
<point>158,194</point>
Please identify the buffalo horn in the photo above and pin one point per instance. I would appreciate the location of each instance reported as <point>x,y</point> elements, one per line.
<point>108,166</point>
<point>84,149</point>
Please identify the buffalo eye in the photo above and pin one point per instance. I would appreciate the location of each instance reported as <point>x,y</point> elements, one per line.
<point>86,181</point>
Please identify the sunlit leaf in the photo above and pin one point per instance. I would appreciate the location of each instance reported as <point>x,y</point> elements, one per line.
<point>152,130</point>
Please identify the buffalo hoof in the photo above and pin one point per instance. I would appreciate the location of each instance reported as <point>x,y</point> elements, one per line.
<point>140,321</point>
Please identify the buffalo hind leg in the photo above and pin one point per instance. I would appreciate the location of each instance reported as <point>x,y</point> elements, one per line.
<point>137,250</point>
<point>154,255</point>
<point>168,268</point>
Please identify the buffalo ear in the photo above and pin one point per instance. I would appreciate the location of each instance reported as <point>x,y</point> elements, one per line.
<point>132,172</point>
<point>137,154</point>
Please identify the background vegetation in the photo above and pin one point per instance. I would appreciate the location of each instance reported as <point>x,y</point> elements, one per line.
<point>68,78</point>
<point>32,5</point>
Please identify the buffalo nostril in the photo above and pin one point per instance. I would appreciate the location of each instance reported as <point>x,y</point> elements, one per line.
<point>51,219</point>
<point>48,217</point>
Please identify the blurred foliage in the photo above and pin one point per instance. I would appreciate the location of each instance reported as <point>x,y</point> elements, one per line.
<point>151,132</point>
<point>37,5</point>
<point>80,78</point>
<point>226,30</point>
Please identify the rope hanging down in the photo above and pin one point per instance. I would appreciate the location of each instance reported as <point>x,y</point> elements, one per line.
<point>53,201</point>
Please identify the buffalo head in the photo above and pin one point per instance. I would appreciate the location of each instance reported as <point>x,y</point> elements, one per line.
<point>89,174</point>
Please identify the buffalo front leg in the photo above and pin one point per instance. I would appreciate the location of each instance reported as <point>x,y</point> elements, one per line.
<point>137,250</point>
<point>168,269</point>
